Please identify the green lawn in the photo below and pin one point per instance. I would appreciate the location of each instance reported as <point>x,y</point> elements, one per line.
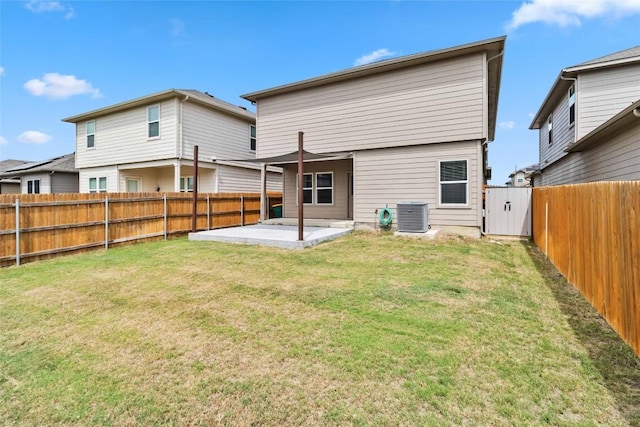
<point>365,330</point>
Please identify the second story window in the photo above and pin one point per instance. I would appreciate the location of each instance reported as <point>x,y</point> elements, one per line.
<point>550,128</point>
<point>153,119</point>
<point>572,104</point>
<point>91,133</point>
<point>252,138</point>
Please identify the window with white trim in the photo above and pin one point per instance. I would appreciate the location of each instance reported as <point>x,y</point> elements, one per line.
<point>572,104</point>
<point>186,184</point>
<point>153,120</point>
<point>550,128</point>
<point>98,185</point>
<point>307,188</point>
<point>252,138</point>
<point>91,133</point>
<point>454,182</point>
<point>33,186</point>
<point>324,188</point>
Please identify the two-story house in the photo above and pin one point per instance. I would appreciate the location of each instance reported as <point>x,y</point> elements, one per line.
<point>56,175</point>
<point>412,128</point>
<point>589,122</point>
<point>147,144</point>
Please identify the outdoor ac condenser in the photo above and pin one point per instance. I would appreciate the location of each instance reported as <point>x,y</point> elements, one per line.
<point>413,217</point>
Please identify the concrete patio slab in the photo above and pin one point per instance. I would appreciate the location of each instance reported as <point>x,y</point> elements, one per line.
<point>271,235</point>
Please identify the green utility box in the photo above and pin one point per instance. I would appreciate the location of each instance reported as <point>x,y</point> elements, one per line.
<point>277,211</point>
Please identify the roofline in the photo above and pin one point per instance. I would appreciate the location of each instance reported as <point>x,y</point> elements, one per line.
<point>571,73</point>
<point>379,67</point>
<point>158,96</point>
<point>611,125</point>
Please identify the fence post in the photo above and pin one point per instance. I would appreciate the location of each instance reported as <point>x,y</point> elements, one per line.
<point>164,199</point>
<point>17,231</point>
<point>242,210</point>
<point>208,213</point>
<point>106,222</point>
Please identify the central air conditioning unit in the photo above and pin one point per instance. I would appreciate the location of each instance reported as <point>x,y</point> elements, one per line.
<point>413,217</point>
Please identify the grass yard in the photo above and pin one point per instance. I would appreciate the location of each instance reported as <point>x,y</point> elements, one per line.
<point>366,330</point>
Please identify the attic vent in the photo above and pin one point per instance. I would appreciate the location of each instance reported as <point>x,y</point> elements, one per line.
<point>413,217</point>
<point>208,94</point>
<point>244,108</point>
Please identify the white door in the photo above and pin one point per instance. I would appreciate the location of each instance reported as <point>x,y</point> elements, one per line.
<point>508,211</point>
<point>133,185</point>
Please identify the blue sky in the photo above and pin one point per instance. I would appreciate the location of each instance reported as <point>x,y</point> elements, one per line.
<point>60,58</point>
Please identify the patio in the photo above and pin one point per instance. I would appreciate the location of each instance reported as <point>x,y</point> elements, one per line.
<point>280,232</point>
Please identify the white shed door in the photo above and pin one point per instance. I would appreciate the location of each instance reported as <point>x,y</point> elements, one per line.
<point>508,211</point>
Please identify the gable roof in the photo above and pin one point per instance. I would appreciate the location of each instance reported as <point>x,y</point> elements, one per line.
<point>562,85</point>
<point>66,164</point>
<point>201,98</point>
<point>493,47</point>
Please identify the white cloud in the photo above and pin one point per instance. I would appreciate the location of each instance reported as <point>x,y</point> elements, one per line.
<point>1,71</point>
<point>43,6</point>
<point>33,137</point>
<point>507,125</point>
<point>3,140</point>
<point>374,56</point>
<point>60,86</point>
<point>177,27</point>
<point>565,13</point>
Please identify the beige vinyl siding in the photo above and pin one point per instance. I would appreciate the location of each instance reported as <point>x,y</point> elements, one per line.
<point>616,159</point>
<point>563,134</point>
<point>410,174</point>
<point>430,103</point>
<point>339,209</point>
<point>64,182</point>
<point>110,172</point>
<point>45,182</point>
<point>603,94</point>
<point>217,134</point>
<point>122,137</point>
<point>233,179</point>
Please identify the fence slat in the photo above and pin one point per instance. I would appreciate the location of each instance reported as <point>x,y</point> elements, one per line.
<point>591,233</point>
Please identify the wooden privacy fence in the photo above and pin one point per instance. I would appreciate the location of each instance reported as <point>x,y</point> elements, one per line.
<point>591,233</point>
<point>35,226</point>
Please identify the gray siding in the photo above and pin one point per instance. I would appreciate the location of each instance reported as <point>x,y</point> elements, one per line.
<point>233,179</point>
<point>64,183</point>
<point>338,210</point>
<point>431,103</point>
<point>122,137</point>
<point>602,94</point>
<point>395,175</point>
<point>217,134</point>
<point>616,159</point>
<point>563,134</point>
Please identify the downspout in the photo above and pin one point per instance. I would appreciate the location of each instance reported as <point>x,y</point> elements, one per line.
<point>181,133</point>
<point>179,148</point>
<point>575,94</point>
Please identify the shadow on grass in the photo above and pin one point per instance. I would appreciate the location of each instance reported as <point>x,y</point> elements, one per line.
<point>615,361</point>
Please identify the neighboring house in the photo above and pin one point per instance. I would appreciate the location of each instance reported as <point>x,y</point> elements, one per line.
<point>147,144</point>
<point>413,128</point>
<point>522,177</point>
<point>57,175</point>
<point>9,185</point>
<point>589,123</point>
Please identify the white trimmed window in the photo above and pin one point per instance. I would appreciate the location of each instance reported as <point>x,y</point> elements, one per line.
<point>33,186</point>
<point>98,185</point>
<point>91,133</point>
<point>252,138</point>
<point>153,120</point>
<point>550,128</point>
<point>324,188</point>
<point>572,104</point>
<point>307,188</point>
<point>186,184</point>
<point>454,183</point>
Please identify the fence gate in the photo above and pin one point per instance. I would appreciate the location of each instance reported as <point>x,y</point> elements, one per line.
<point>508,211</point>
